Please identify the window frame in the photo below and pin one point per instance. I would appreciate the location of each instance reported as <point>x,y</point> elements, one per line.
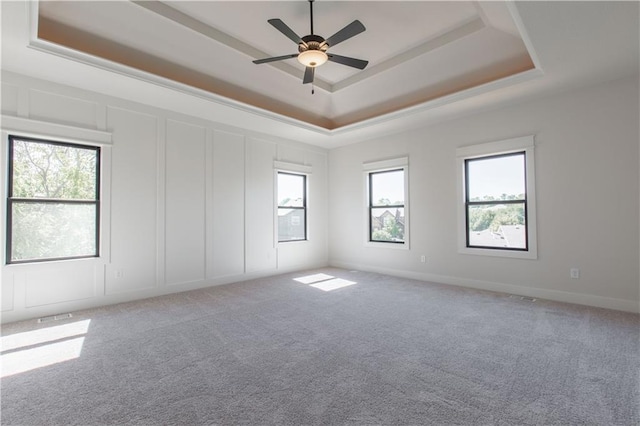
<point>469,203</point>
<point>10,200</point>
<point>304,207</point>
<point>385,166</point>
<point>508,147</point>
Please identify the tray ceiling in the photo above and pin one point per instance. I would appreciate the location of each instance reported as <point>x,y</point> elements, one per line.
<point>417,51</point>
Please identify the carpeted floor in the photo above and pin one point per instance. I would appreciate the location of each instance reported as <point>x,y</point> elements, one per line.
<point>364,349</point>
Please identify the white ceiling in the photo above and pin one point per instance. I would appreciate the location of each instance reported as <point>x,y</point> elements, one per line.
<point>417,51</point>
<point>427,60</point>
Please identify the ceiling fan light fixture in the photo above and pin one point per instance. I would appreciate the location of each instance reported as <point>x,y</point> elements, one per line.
<point>313,48</point>
<point>312,58</point>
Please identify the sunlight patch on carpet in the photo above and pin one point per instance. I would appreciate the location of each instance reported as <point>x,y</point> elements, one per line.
<point>324,282</point>
<point>40,348</point>
<point>333,284</point>
<point>310,279</point>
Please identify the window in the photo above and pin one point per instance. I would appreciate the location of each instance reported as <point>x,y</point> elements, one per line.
<point>497,198</point>
<point>53,204</point>
<point>386,183</point>
<point>292,207</point>
<point>496,201</point>
<point>386,206</point>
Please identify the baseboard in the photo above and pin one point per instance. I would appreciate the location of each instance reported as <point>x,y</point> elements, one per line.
<point>539,293</point>
<point>9,316</point>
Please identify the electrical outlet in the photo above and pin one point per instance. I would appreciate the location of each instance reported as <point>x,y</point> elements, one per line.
<point>574,273</point>
<point>119,273</point>
<point>423,258</point>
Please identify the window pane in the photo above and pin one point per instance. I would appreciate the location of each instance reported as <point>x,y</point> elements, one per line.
<point>387,224</point>
<point>42,170</point>
<point>52,230</point>
<point>290,190</point>
<point>387,188</point>
<point>291,224</point>
<point>497,178</point>
<point>497,225</point>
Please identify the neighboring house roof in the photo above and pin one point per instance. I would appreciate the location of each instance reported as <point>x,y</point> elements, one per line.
<point>487,238</point>
<point>387,213</point>
<point>514,235</point>
<point>378,221</point>
<point>506,236</point>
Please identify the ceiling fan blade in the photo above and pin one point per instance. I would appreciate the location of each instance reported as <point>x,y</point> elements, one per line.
<point>347,32</point>
<point>308,75</point>
<point>275,58</point>
<point>284,29</point>
<point>351,62</point>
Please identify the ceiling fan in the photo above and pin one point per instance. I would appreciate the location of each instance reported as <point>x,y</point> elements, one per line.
<point>313,49</point>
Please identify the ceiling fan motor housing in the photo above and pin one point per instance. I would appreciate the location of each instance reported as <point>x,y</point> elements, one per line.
<point>312,49</point>
<point>312,42</point>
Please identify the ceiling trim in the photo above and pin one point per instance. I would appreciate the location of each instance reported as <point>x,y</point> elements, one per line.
<point>66,53</point>
<point>471,26</point>
<point>444,100</point>
<point>453,34</point>
<point>83,58</point>
<point>107,65</point>
<point>524,35</point>
<point>200,27</point>
<point>481,13</point>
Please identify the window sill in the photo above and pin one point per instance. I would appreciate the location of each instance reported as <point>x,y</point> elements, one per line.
<point>293,242</point>
<point>394,246</point>
<point>499,253</point>
<point>99,260</point>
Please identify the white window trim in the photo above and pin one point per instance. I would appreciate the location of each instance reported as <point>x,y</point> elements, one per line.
<point>299,169</point>
<point>524,143</point>
<point>381,166</point>
<point>283,166</point>
<point>18,126</point>
<point>44,130</point>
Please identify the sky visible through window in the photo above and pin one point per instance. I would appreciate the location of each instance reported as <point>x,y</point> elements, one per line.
<point>496,176</point>
<point>388,185</point>
<point>291,194</point>
<point>290,189</point>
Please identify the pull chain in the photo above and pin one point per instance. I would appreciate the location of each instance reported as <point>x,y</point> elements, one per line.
<point>312,89</point>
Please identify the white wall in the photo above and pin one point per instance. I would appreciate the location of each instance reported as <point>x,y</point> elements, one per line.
<point>191,201</point>
<point>587,187</point>
<point>188,203</point>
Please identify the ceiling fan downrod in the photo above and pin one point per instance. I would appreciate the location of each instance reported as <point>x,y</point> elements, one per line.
<point>311,14</point>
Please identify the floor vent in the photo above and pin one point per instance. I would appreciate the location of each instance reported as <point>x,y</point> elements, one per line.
<point>54,318</point>
<point>525,298</point>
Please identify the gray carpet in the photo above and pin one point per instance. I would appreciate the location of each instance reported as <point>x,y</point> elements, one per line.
<point>384,350</point>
